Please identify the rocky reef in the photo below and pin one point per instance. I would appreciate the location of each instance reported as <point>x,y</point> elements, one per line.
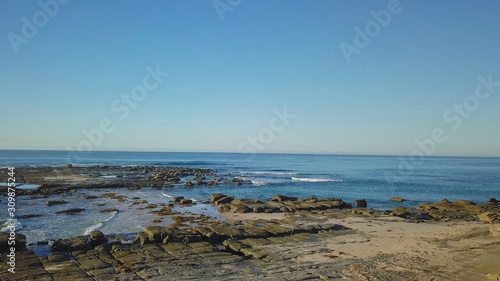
<point>297,247</point>
<point>303,244</point>
<point>279,203</point>
<point>55,180</point>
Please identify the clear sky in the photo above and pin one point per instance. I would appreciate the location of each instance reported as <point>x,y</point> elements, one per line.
<point>66,67</point>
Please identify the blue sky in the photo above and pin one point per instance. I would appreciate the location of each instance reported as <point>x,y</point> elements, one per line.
<point>227,75</point>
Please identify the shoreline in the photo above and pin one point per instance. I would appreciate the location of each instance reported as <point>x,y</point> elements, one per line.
<point>306,245</point>
<point>285,237</point>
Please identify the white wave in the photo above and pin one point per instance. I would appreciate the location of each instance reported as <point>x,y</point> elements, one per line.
<point>258,182</point>
<point>91,228</point>
<point>315,180</point>
<point>98,225</point>
<point>5,226</point>
<point>113,214</point>
<point>266,173</point>
<point>127,242</point>
<point>166,195</point>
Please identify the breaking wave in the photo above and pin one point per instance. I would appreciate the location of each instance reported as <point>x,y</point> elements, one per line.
<point>315,180</point>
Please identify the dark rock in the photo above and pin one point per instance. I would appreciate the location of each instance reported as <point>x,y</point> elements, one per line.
<point>216,196</point>
<point>72,244</point>
<point>56,202</point>
<point>224,200</point>
<point>410,214</point>
<point>240,209</point>
<point>20,242</point>
<point>97,238</point>
<point>156,234</point>
<point>174,180</point>
<point>224,208</point>
<point>186,201</point>
<point>30,216</point>
<point>282,198</point>
<point>178,199</point>
<point>492,201</point>
<point>360,203</point>
<point>212,182</point>
<point>109,210</point>
<point>71,211</point>
<point>96,235</point>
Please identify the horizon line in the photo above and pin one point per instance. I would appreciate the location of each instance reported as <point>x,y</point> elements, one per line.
<point>284,153</point>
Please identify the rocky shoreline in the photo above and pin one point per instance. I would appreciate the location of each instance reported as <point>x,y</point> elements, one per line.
<point>56,180</point>
<point>284,238</point>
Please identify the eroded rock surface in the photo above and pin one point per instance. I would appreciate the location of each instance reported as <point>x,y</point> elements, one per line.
<point>278,204</point>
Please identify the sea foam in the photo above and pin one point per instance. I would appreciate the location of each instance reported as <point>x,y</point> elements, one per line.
<point>315,180</point>
<point>266,173</point>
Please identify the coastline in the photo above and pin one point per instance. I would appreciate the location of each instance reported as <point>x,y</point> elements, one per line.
<point>285,238</point>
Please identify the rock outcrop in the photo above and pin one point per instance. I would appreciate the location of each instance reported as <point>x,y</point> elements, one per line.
<point>360,203</point>
<point>20,242</point>
<point>278,204</point>
<point>463,210</point>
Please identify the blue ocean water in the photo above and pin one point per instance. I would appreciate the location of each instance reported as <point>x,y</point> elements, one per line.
<point>349,177</point>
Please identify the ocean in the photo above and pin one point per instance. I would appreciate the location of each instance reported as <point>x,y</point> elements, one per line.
<point>349,177</point>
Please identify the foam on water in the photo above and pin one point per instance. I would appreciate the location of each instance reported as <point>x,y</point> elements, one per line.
<point>374,178</point>
<point>315,180</point>
<point>266,173</point>
<point>258,182</point>
<point>5,226</point>
<point>99,224</point>
<point>91,228</point>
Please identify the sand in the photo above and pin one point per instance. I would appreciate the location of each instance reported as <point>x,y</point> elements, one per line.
<point>426,250</point>
<point>393,248</point>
